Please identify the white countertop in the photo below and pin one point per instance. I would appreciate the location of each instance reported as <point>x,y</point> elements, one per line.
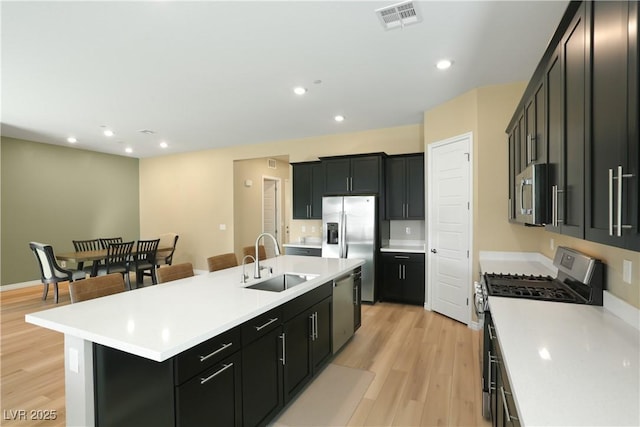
<point>569,364</point>
<point>411,246</point>
<point>310,245</point>
<point>158,322</point>
<point>516,263</point>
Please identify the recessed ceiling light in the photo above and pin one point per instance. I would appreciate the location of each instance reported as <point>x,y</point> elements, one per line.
<point>299,90</point>
<point>339,118</point>
<point>163,144</point>
<point>443,64</point>
<point>72,140</point>
<point>128,150</point>
<point>108,132</point>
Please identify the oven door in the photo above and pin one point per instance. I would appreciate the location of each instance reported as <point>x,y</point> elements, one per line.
<point>488,368</point>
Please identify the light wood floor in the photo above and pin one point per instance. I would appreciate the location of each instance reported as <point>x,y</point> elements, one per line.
<point>427,366</point>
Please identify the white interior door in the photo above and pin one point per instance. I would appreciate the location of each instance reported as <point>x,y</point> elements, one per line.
<point>270,212</point>
<point>449,222</point>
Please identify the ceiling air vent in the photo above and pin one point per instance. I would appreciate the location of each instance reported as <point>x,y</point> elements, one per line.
<point>271,163</point>
<point>398,15</point>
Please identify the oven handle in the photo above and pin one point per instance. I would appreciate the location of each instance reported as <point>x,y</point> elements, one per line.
<point>491,335</point>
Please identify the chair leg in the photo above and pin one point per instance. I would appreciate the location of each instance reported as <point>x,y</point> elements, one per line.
<point>154,275</point>
<point>55,292</point>
<point>139,277</point>
<point>45,292</point>
<point>127,280</point>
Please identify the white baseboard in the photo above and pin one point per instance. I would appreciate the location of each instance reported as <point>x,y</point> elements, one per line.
<point>621,309</point>
<point>19,285</point>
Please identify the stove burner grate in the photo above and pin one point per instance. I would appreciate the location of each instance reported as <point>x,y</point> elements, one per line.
<point>544,288</point>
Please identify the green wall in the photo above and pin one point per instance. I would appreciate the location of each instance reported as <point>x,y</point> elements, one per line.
<point>54,194</point>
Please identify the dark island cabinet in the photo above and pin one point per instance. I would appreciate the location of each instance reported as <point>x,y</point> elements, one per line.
<point>351,175</point>
<point>262,368</point>
<point>217,391</point>
<point>613,157</point>
<point>404,183</point>
<point>403,277</point>
<point>308,189</point>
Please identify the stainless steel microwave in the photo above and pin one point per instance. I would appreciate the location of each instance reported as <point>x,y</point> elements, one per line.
<point>530,195</point>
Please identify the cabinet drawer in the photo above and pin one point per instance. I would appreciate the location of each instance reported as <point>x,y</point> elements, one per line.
<point>205,355</point>
<point>260,325</point>
<point>402,257</point>
<point>303,251</point>
<point>303,302</point>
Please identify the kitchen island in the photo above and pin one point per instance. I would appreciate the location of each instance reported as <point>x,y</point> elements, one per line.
<point>160,323</point>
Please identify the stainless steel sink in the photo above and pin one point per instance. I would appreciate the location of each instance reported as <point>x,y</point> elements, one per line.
<point>282,282</point>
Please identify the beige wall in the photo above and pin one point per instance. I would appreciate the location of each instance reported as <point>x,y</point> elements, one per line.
<point>248,200</point>
<point>485,112</point>
<point>193,193</point>
<point>54,194</point>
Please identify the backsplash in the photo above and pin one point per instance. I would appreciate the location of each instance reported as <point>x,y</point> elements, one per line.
<point>407,230</point>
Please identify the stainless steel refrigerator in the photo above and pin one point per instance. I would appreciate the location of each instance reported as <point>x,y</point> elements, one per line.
<point>349,231</point>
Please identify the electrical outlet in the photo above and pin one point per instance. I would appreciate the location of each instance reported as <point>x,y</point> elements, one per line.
<point>223,227</point>
<point>313,229</point>
<point>627,267</point>
<point>552,244</point>
<point>74,360</point>
<point>63,264</point>
<point>304,229</point>
<point>407,230</point>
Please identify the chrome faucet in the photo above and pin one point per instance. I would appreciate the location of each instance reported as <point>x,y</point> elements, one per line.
<point>245,276</point>
<point>256,271</point>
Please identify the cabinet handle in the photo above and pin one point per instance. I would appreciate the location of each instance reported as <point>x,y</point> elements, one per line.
<point>610,202</point>
<point>313,327</point>
<point>404,272</point>
<point>407,215</point>
<point>315,320</point>
<point>266,324</point>
<point>224,347</point>
<point>283,359</point>
<point>215,374</point>
<point>401,257</point>
<point>528,148</point>
<point>347,183</point>
<point>355,295</point>
<point>506,407</point>
<point>350,183</point>
<point>399,271</point>
<point>491,336</point>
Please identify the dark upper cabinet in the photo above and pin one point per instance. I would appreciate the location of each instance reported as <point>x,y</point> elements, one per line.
<point>511,187</point>
<point>404,183</point>
<point>612,156</point>
<point>567,94</point>
<point>534,144</point>
<point>352,175</point>
<point>308,189</point>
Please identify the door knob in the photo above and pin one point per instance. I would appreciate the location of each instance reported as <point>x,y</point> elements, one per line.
<point>434,251</point>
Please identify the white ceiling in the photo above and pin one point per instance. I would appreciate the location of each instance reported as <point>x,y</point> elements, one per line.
<point>215,74</point>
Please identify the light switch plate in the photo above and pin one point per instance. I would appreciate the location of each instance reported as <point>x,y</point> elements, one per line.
<point>74,363</point>
<point>627,267</point>
<point>304,229</point>
<point>223,226</point>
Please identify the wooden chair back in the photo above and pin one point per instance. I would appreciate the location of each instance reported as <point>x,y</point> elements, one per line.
<point>220,262</point>
<point>105,242</point>
<point>95,287</point>
<point>174,272</point>
<point>251,250</point>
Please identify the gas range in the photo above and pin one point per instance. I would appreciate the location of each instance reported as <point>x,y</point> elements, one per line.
<point>580,280</point>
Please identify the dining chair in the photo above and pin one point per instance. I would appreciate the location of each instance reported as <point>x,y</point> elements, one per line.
<point>144,259</point>
<point>174,272</point>
<point>220,262</point>
<point>50,271</point>
<point>167,240</point>
<point>251,250</point>
<point>95,287</point>
<point>105,241</point>
<point>118,260</point>
<point>88,245</point>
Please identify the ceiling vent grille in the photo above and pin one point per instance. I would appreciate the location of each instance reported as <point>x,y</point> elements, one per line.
<point>271,163</point>
<point>399,15</point>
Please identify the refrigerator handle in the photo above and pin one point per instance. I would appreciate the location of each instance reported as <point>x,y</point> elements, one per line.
<point>343,236</point>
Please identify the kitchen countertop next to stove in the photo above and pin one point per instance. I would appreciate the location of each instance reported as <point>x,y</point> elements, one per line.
<point>569,364</point>
<point>516,263</point>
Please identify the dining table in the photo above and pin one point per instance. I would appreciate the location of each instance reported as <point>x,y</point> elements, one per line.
<point>98,255</point>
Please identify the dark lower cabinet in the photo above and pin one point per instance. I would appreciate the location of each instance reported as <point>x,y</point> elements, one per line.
<point>308,346</point>
<point>218,391</point>
<point>403,277</point>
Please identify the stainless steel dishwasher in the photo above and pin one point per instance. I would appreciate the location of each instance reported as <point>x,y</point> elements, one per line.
<point>342,310</point>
